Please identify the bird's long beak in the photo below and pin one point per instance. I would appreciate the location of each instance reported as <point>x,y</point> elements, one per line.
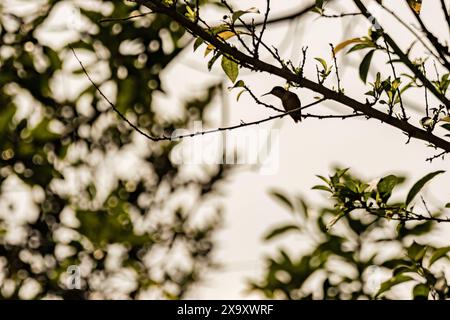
<point>265,94</point>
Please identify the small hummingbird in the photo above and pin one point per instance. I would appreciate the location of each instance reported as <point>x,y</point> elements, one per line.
<point>289,100</point>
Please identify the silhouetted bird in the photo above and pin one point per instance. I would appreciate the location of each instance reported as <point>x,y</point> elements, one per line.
<point>289,100</point>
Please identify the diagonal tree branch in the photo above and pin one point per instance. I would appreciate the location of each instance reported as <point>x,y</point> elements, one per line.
<point>403,57</point>
<point>256,64</point>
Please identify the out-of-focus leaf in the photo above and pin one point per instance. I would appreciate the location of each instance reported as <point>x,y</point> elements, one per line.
<point>438,254</point>
<point>419,185</point>
<point>416,230</point>
<point>421,291</point>
<point>386,185</point>
<point>387,285</point>
<point>6,116</point>
<point>282,199</point>
<point>103,228</point>
<point>281,231</point>
<point>417,251</point>
<point>42,132</point>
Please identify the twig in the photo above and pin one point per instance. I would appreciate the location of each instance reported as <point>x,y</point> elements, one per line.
<point>403,23</point>
<point>426,91</point>
<point>251,30</point>
<point>260,102</point>
<point>400,214</point>
<point>264,25</point>
<point>402,56</point>
<point>446,13</point>
<point>125,19</point>
<point>395,77</point>
<point>442,50</point>
<point>336,68</point>
<point>439,155</point>
<point>303,63</point>
<point>426,206</point>
<point>341,15</point>
<point>113,107</point>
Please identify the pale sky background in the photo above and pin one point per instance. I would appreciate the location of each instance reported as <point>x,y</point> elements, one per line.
<point>312,147</point>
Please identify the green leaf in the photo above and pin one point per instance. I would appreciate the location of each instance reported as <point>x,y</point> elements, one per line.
<point>53,56</point>
<point>304,206</point>
<point>42,132</point>
<point>419,185</point>
<point>231,68</point>
<point>438,254</point>
<point>281,230</point>
<point>6,115</point>
<point>345,43</point>
<point>322,62</point>
<point>283,199</point>
<point>239,84</point>
<point>387,285</point>
<point>190,13</point>
<point>403,269</point>
<point>416,251</point>
<point>333,221</point>
<point>323,188</point>
<point>446,126</point>
<point>361,46</point>
<point>447,205</point>
<point>239,13</point>
<point>421,291</point>
<point>323,179</point>
<point>416,230</point>
<point>365,65</point>
<point>386,185</point>
<point>240,94</point>
<point>198,42</point>
<point>213,60</point>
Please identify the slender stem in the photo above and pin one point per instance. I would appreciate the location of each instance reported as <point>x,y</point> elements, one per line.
<point>446,13</point>
<point>394,73</point>
<point>427,107</point>
<point>264,25</point>
<point>442,50</point>
<point>403,57</point>
<point>403,23</point>
<point>336,68</point>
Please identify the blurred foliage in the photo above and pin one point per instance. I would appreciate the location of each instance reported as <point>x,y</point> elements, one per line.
<point>374,197</point>
<point>132,236</point>
<point>363,256</point>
